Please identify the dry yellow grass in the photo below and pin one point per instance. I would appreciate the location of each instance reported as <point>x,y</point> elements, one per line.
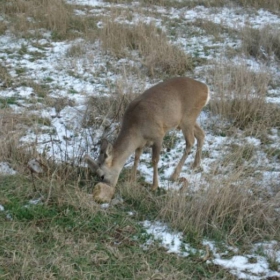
<point>230,211</point>
<point>272,5</point>
<point>26,15</point>
<point>261,43</point>
<point>156,52</point>
<point>32,18</point>
<point>240,97</point>
<point>226,208</point>
<point>13,127</point>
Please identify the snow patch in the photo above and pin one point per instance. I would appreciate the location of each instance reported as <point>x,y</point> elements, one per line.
<point>172,241</point>
<point>5,169</point>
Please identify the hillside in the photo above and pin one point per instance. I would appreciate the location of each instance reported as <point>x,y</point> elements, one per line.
<point>68,70</point>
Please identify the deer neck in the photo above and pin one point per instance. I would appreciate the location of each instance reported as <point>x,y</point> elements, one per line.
<point>124,146</point>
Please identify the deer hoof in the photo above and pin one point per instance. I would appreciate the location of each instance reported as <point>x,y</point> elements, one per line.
<point>197,168</point>
<point>184,183</point>
<point>174,177</point>
<point>154,188</point>
<point>103,193</point>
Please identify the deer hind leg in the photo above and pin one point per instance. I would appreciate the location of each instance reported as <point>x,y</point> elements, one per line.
<point>199,135</point>
<point>155,159</point>
<point>138,153</point>
<point>188,132</point>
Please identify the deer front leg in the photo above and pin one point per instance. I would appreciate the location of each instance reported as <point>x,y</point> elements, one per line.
<point>138,153</point>
<point>155,159</point>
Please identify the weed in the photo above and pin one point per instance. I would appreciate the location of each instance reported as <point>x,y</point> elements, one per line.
<point>214,29</point>
<point>273,152</point>
<point>218,215</point>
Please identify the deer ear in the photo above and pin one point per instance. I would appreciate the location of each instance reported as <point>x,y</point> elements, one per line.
<point>103,145</point>
<point>109,150</point>
<point>91,163</point>
<point>106,148</point>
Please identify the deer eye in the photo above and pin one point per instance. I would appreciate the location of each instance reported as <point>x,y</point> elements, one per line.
<point>102,178</point>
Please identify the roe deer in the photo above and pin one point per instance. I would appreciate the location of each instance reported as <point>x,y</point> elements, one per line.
<point>175,103</point>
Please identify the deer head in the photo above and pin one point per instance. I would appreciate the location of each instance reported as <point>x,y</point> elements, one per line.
<point>103,166</point>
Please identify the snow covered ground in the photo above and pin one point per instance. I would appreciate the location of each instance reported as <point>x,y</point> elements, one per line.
<point>87,75</point>
<point>251,265</point>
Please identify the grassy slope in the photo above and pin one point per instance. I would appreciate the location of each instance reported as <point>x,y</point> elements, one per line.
<point>71,238</point>
<point>67,236</point>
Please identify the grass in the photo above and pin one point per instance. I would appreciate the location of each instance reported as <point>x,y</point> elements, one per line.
<point>5,76</point>
<point>261,43</point>
<point>240,97</point>
<point>76,50</point>
<point>212,212</point>
<point>273,6</point>
<point>29,18</point>
<point>216,30</point>
<point>72,238</point>
<point>41,90</point>
<point>6,102</point>
<point>157,54</point>
<point>66,235</point>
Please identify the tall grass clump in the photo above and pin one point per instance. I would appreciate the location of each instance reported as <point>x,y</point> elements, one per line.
<point>11,132</point>
<point>29,15</point>
<point>157,54</point>
<point>226,210</point>
<point>271,5</point>
<point>240,97</point>
<point>261,43</point>
<point>27,18</point>
<point>230,212</point>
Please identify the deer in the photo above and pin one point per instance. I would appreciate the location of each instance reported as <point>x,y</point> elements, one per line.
<point>172,104</point>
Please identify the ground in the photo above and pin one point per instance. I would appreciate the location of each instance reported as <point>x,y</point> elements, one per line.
<point>67,72</point>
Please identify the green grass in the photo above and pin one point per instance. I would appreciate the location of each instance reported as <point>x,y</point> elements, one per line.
<point>69,240</point>
<point>6,102</point>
